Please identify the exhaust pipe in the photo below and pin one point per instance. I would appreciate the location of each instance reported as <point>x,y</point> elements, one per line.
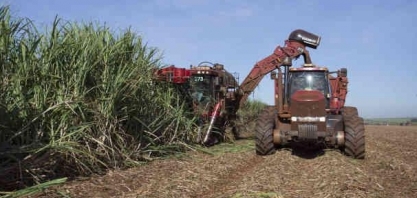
<point>213,118</point>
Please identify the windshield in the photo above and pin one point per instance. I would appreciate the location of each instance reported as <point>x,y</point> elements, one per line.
<point>308,80</point>
<point>201,89</point>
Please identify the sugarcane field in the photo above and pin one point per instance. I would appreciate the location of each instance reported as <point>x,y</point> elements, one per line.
<point>207,99</point>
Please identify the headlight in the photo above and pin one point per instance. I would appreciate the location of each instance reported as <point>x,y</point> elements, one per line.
<point>308,119</point>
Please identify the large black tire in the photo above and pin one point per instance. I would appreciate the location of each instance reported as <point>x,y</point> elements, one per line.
<point>264,132</point>
<point>349,112</point>
<point>355,137</point>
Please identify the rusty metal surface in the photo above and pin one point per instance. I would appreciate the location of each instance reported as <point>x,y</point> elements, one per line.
<point>339,91</point>
<point>291,49</point>
<point>308,103</point>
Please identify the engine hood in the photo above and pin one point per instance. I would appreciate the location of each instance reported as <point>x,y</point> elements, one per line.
<point>308,103</point>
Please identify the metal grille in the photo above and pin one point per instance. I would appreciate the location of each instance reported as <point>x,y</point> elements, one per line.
<point>307,131</point>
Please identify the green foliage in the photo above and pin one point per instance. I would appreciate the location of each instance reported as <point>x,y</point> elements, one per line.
<point>391,121</point>
<point>79,99</point>
<point>247,116</point>
<point>251,109</point>
<point>34,189</point>
<point>241,146</point>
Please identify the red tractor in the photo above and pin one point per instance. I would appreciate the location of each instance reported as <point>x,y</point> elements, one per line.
<point>309,105</point>
<point>213,92</point>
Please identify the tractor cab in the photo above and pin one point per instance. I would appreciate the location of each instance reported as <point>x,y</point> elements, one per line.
<point>202,89</point>
<point>309,79</point>
<point>203,83</point>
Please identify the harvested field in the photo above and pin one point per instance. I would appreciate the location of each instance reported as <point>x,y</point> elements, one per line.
<point>389,170</point>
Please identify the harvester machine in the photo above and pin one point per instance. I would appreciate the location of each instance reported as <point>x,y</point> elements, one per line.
<point>309,100</point>
<point>213,92</point>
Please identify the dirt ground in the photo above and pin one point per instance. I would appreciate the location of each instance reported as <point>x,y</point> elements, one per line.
<point>389,170</point>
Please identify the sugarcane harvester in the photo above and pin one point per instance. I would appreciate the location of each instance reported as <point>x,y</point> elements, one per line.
<point>309,100</point>
<point>213,93</point>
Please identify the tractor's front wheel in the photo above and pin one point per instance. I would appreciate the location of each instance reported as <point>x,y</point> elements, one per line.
<point>265,125</point>
<point>349,112</point>
<point>355,137</point>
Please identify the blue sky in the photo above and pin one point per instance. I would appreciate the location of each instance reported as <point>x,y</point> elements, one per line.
<point>373,39</point>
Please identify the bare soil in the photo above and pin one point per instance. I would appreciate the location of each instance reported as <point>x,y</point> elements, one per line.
<point>233,170</point>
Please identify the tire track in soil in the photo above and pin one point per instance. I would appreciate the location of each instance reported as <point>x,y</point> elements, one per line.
<point>235,175</point>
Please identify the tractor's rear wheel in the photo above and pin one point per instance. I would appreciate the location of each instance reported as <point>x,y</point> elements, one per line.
<point>355,137</point>
<point>265,125</point>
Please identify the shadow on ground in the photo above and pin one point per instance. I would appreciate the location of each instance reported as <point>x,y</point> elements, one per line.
<point>305,152</point>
